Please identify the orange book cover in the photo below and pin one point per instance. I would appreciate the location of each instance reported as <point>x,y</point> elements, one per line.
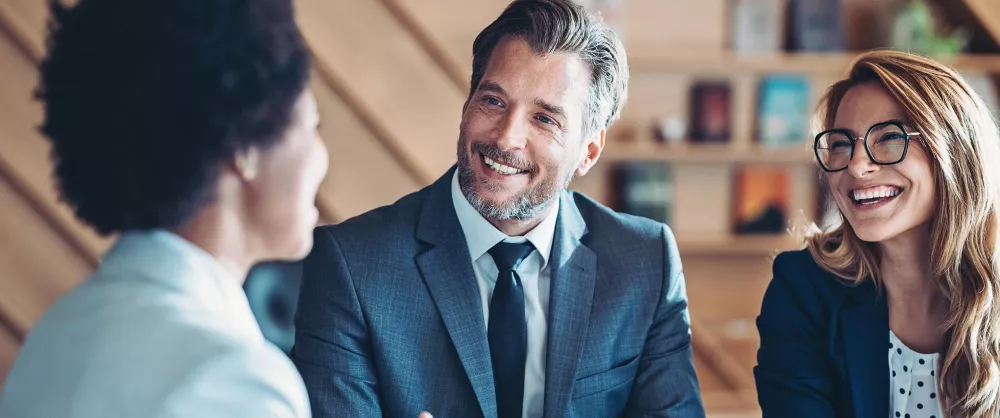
<point>761,200</point>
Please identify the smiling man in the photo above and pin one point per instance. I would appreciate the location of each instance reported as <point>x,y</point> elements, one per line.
<point>495,292</point>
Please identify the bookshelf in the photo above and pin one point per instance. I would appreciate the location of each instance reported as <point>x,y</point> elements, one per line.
<point>648,60</point>
<point>687,153</point>
<point>737,245</point>
<point>703,176</point>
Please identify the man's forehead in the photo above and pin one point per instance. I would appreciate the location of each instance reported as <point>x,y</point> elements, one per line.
<point>554,76</point>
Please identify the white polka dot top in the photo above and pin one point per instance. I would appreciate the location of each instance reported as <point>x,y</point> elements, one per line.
<point>914,386</point>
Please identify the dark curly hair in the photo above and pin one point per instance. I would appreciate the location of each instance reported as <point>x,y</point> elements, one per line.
<point>146,99</point>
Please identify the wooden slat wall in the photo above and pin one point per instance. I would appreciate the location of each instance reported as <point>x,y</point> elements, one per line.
<point>417,104</point>
<point>988,12</point>
<point>22,148</point>
<point>363,174</point>
<point>36,265</point>
<point>8,350</point>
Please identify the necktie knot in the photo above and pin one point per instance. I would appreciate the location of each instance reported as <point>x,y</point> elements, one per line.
<point>508,256</point>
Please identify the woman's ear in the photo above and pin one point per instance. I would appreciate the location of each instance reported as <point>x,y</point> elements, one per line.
<point>247,163</point>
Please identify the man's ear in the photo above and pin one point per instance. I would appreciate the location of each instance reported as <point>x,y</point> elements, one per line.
<point>592,151</point>
<point>246,163</point>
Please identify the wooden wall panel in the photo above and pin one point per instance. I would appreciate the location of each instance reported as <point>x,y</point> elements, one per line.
<point>36,264</point>
<point>8,351</point>
<point>362,173</point>
<point>391,75</point>
<point>458,27</point>
<point>22,148</point>
<point>31,16</point>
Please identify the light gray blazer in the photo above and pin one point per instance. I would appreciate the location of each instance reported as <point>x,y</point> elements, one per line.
<point>160,330</point>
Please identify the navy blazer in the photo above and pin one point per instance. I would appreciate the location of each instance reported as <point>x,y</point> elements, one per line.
<point>823,344</point>
<point>390,319</point>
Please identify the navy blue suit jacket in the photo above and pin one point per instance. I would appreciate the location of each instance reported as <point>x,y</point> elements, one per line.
<point>390,319</point>
<point>823,344</point>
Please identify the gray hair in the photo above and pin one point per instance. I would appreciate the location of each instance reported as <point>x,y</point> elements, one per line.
<point>550,26</point>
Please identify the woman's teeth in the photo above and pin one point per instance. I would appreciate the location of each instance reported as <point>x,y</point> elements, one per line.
<point>873,194</point>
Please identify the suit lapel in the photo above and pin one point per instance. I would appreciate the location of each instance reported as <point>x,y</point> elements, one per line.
<point>864,326</point>
<point>447,270</point>
<point>574,270</point>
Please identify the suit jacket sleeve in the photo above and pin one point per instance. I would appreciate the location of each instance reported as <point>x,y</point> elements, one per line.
<point>332,347</point>
<point>666,384</point>
<point>791,374</point>
<point>242,382</point>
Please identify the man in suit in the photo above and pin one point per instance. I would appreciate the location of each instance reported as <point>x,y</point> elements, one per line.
<point>494,292</point>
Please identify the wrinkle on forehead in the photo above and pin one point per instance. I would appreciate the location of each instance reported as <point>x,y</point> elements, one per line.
<point>558,78</point>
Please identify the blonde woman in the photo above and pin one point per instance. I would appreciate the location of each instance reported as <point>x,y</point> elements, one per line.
<point>894,312</point>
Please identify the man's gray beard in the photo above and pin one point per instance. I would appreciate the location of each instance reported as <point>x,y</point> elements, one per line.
<point>520,209</point>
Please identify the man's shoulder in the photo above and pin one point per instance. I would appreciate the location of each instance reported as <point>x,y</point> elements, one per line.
<point>604,223</point>
<point>386,223</point>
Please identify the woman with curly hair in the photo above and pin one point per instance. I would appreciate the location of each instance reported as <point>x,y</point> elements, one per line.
<point>184,128</point>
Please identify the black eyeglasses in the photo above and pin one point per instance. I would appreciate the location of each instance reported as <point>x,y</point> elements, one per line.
<point>835,147</point>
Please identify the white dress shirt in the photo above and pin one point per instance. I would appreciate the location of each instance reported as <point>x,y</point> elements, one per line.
<point>160,330</point>
<point>535,274</point>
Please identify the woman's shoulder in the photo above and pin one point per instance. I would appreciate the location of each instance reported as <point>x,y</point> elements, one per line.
<point>797,274</point>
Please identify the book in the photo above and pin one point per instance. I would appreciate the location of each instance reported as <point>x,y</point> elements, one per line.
<point>761,200</point>
<point>711,112</point>
<point>644,188</point>
<point>783,110</point>
<point>758,26</point>
<point>816,26</point>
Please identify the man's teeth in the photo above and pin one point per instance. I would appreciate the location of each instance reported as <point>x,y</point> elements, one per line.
<point>500,168</point>
<point>876,192</point>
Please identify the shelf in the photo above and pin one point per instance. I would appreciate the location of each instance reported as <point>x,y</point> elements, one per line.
<point>816,63</point>
<point>746,245</point>
<point>686,153</point>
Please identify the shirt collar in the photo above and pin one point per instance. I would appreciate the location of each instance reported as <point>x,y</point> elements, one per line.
<point>174,262</point>
<point>481,235</point>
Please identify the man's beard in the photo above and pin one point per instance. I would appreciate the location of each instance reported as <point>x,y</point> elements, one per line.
<point>527,204</point>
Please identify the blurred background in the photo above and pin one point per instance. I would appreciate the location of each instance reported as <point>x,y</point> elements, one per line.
<point>715,139</point>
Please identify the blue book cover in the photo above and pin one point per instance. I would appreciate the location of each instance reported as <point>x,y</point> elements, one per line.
<point>784,110</point>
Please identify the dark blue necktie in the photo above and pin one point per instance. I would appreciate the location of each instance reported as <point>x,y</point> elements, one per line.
<point>508,331</point>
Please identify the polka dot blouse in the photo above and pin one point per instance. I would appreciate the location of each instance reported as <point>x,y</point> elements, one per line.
<point>914,386</point>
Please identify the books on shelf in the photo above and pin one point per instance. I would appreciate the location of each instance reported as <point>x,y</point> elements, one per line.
<point>784,110</point>
<point>816,26</point>
<point>710,111</point>
<point>644,188</point>
<point>758,26</point>
<point>761,200</point>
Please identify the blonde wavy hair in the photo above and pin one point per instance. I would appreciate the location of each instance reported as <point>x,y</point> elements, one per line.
<point>962,140</point>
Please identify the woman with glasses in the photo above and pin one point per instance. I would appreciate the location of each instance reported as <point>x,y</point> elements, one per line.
<point>894,312</point>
